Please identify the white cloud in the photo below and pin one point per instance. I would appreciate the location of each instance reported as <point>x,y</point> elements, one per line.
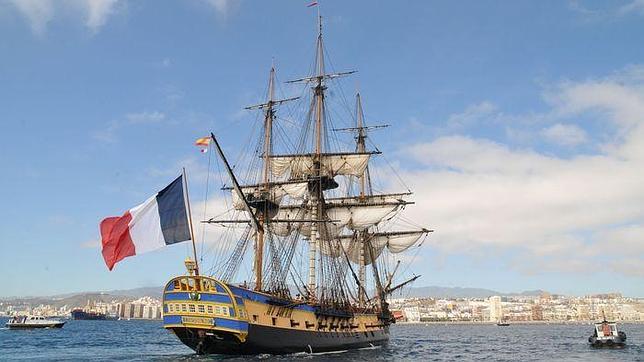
<point>40,12</point>
<point>627,239</point>
<point>606,11</point>
<point>97,12</point>
<point>635,6</point>
<point>196,169</point>
<point>471,114</point>
<point>222,7</point>
<point>108,134</point>
<point>622,103</point>
<point>144,117</point>
<point>629,266</point>
<point>565,134</point>
<point>554,212</point>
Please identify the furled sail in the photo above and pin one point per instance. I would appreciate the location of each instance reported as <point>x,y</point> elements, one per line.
<point>395,242</point>
<point>355,216</point>
<point>360,217</point>
<point>275,193</point>
<point>368,199</point>
<point>299,217</point>
<point>284,227</point>
<point>332,164</point>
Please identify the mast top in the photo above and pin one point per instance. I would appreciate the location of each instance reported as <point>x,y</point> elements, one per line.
<point>271,101</point>
<point>319,24</point>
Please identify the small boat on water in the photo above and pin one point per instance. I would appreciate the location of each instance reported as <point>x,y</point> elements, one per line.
<point>607,335</point>
<point>80,314</point>
<point>28,322</point>
<point>502,324</point>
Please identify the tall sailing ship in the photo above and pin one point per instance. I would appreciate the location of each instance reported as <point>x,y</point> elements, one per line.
<point>320,237</point>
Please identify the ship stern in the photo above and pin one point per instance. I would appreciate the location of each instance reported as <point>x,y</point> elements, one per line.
<point>205,315</point>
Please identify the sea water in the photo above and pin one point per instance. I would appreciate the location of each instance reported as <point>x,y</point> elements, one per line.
<point>148,341</point>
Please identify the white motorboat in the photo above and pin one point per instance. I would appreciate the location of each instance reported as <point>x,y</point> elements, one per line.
<point>30,321</point>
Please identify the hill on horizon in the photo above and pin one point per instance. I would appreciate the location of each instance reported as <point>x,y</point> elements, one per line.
<point>81,298</point>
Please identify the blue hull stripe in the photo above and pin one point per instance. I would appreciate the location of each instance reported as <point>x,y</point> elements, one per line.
<point>219,322</point>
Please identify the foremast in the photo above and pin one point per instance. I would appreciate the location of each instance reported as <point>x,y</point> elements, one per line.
<point>265,204</point>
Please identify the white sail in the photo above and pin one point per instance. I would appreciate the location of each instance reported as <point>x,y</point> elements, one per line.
<point>395,242</point>
<point>296,190</point>
<point>331,165</point>
<point>355,217</point>
<point>359,217</point>
<point>368,199</point>
<point>285,228</point>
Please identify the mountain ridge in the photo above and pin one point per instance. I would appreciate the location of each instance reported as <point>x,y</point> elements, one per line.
<point>156,292</point>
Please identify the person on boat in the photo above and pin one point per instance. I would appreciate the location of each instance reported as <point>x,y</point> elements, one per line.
<point>606,329</point>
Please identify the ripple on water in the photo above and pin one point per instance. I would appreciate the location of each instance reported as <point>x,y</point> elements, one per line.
<point>147,340</point>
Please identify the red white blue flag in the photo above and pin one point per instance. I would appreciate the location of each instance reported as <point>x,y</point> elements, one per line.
<point>160,221</point>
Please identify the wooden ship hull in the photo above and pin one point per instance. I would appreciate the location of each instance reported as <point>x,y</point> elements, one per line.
<point>213,317</point>
<point>274,340</point>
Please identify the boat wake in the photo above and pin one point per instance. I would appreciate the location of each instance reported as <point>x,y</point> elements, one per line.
<point>325,353</point>
<point>308,354</point>
<point>371,347</point>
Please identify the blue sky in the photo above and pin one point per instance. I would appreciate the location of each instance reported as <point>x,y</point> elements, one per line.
<point>518,124</point>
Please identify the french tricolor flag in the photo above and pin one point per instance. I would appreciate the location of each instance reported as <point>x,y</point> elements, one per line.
<point>161,220</point>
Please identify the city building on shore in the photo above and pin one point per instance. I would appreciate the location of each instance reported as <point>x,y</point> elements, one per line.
<point>542,308</point>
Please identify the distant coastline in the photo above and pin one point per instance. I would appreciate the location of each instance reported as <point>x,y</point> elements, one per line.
<point>586,322</point>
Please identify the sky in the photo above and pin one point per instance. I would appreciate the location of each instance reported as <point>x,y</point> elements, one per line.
<point>519,125</point>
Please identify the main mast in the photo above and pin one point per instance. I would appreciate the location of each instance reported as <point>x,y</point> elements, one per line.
<point>316,192</point>
<point>361,148</point>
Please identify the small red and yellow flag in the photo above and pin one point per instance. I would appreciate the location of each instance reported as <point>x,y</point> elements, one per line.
<point>203,144</point>
<point>203,141</point>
